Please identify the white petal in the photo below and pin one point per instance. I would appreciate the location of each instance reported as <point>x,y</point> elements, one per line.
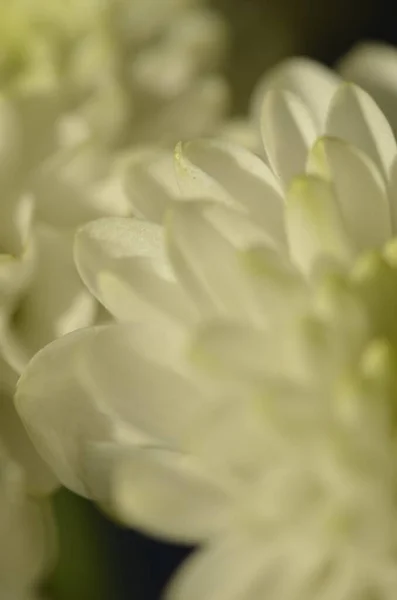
<point>224,172</point>
<point>151,184</point>
<point>138,372</point>
<point>124,264</point>
<point>194,181</point>
<point>279,352</point>
<point>354,117</point>
<point>372,66</point>
<point>205,257</point>
<point>242,132</point>
<point>235,415</point>
<point>360,191</point>
<point>314,223</point>
<point>169,495</point>
<point>278,285</point>
<point>56,301</point>
<point>218,347</point>
<point>288,132</point>
<point>313,83</point>
<point>57,411</point>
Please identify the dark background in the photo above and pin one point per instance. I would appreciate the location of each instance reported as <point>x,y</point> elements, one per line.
<point>100,561</point>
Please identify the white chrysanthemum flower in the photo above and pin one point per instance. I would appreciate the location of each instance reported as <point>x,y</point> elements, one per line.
<point>245,399</point>
<point>233,405</point>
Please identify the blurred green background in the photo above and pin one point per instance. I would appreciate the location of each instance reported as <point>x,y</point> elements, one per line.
<point>99,561</point>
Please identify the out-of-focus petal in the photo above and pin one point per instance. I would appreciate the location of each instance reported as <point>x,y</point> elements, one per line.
<point>56,301</point>
<point>313,83</point>
<point>231,175</point>
<point>372,66</point>
<point>359,189</point>
<point>288,132</point>
<point>168,494</point>
<point>354,117</point>
<point>198,232</point>
<point>58,413</point>
<point>150,183</point>
<point>124,264</point>
<point>314,223</point>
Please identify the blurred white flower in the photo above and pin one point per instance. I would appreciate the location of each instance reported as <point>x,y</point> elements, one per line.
<point>127,71</point>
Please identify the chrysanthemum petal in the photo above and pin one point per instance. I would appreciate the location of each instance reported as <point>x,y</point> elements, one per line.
<point>170,495</point>
<point>56,301</point>
<point>151,184</point>
<point>314,223</point>
<point>288,132</point>
<point>124,264</point>
<point>354,117</point>
<point>313,83</point>
<point>137,371</point>
<point>224,172</point>
<point>359,188</point>
<point>56,410</point>
<point>372,66</point>
<point>202,242</point>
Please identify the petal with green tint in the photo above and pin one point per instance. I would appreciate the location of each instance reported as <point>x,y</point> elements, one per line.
<point>314,223</point>
<point>288,132</point>
<point>150,183</point>
<point>359,189</point>
<point>354,117</point>
<point>227,173</point>
<point>203,240</point>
